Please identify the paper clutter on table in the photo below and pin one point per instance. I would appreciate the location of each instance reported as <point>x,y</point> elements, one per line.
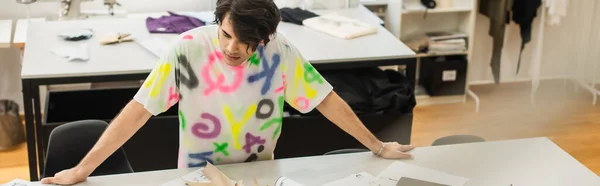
<point>408,173</point>
<point>152,44</point>
<point>285,181</point>
<point>79,51</point>
<point>339,26</point>
<point>360,179</point>
<point>114,38</point>
<point>20,182</point>
<point>206,176</point>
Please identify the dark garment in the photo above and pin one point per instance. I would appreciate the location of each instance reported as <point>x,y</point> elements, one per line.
<point>523,13</point>
<point>173,23</point>
<point>499,12</point>
<point>371,90</point>
<point>295,15</point>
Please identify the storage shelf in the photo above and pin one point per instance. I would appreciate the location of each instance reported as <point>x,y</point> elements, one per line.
<point>437,10</point>
<point>374,2</point>
<point>424,99</point>
<point>419,55</point>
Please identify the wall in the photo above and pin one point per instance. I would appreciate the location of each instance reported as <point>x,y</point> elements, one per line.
<point>9,9</point>
<point>574,42</point>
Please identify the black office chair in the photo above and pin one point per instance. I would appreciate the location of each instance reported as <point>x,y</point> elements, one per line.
<point>457,139</point>
<point>70,142</point>
<point>345,151</point>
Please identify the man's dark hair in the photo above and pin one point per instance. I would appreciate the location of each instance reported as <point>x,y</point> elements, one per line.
<point>252,20</point>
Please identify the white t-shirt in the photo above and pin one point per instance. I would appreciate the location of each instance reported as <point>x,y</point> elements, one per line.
<point>230,114</point>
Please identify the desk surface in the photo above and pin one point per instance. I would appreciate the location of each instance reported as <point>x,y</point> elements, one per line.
<point>5,33</point>
<point>21,27</point>
<point>524,162</point>
<point>128,58</point>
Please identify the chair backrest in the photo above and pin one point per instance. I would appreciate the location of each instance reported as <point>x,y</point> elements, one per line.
<point>457,139</point>
<point>346,151</point>
<point>70,142</point>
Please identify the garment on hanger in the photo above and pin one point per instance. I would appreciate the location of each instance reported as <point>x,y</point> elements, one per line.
<point>295,15</point>
<point>523,13</point>
<point>173,23</point>
<point>498,11</point>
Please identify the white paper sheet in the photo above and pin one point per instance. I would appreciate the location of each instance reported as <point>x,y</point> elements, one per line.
<point>73,52</point>
<point>284,181</point>
<point>339,26</point>
<point>20,182</point>
<point>391,175</point>
<point>196,176</point>
<point>360,179</point>
<point>153,44</point>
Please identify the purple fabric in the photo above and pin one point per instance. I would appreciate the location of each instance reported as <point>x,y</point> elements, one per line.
<point>173,23</point>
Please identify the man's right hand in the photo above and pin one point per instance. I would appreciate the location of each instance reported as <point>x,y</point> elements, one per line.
<point>66,177</point>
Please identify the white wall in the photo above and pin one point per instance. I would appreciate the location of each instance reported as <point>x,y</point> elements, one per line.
<point>574,41</point>
<point>9,9</point>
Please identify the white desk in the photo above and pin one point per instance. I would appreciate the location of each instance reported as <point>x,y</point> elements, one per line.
<point>5,33</point>
<point>127,58</point>
<point>21,31</point>
<point>129,61</point>
<point>525,162</point>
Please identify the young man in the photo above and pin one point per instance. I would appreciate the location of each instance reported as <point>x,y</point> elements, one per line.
<point>230,80</point>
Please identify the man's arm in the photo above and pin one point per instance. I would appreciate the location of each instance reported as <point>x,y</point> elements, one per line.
<point>337,111</point>
<point>129,121</point>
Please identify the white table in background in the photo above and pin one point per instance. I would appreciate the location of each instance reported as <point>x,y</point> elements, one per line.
<point>129,61</point>
<point>21,29</point>
<point>524,162</point>
<point>5,33</point>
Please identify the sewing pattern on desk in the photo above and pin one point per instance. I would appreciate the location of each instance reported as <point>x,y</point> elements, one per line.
<point>230,114</point>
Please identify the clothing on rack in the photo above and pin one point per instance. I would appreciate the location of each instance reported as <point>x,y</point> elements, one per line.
<point>295,15</point>
<point>523,13</point>
<point>499,12</point>
<point>340,26</point>
<point>173,23</point>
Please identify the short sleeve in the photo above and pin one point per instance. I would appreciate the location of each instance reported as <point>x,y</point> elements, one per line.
<point>160,91</point>
<point>305,88</point>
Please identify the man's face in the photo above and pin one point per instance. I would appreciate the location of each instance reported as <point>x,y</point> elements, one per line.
<point>235,52</point>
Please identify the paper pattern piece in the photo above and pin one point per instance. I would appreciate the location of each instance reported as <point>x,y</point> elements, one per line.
<point>73,52</point>
<point>203,176</point>
<point>406,181</point>
<point>339,26</point>
<point>20,182</point>
<point>391,175</point>
<point>152,44</point>
<point>196,176</point>
<point>285,181</point>
<point>360,179</point>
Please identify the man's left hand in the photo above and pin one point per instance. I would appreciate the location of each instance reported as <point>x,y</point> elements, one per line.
<point>394,150</point>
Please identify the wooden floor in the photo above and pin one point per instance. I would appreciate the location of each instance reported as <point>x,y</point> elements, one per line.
<point>566,117</point>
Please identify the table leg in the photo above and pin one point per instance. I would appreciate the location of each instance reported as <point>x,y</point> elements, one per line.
<point>411,72</point>
<point>30,130</point>
<point>35,93</point>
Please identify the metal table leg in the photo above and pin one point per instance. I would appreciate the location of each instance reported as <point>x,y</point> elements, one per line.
<point>30,130</point>
<point>411,72</point>
<point>35,93</point>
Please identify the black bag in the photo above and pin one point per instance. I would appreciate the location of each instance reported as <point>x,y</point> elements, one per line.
<point>11,126</point>
<point>370,90</point>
